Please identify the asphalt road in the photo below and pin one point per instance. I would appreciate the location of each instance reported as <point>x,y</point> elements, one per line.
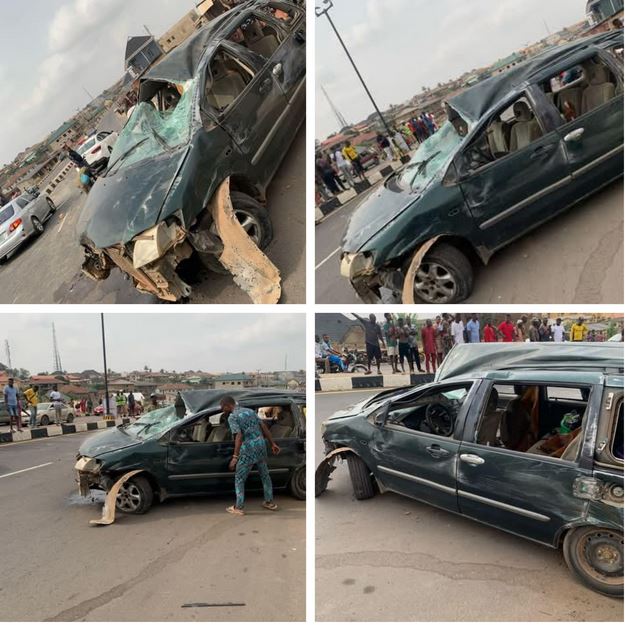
<point>575,258</point>
<point>55,566</point>
<point>394,559</point>
<point>47,270</point>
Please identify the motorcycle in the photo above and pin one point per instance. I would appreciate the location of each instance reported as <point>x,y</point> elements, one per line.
<point>351,364</point>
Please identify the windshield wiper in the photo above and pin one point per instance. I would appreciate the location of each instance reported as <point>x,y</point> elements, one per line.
<point>125,154</point>
<point>422,167</point>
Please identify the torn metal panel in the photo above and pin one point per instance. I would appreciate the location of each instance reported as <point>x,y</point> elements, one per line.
<point>326,468</point>
<point>411,274</point>
<point>251,269</point>
<point>108,510</point>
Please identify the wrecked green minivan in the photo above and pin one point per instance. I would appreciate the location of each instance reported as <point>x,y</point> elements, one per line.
<point>186,182</point>
<point>526,437</point>
<point>516,150</point>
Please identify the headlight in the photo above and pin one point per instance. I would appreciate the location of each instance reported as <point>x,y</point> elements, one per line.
<point>353,265</point>
<point>88,465</point>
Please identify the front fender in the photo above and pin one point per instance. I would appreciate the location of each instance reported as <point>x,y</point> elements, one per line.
<point>326,468</point>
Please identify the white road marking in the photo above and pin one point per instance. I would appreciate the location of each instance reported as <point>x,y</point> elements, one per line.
<point>327,258</point>
<point>62,222</point>
<point>24,470</point>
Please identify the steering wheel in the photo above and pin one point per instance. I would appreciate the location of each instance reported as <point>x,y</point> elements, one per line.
<point>440,418</point>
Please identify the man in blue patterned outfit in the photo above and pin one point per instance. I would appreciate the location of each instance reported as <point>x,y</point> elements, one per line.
<point>249,449</point>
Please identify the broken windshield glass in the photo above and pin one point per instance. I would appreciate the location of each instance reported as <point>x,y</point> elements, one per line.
<point>430,157</point>
<point>150,132</point>
<point>153,424</point>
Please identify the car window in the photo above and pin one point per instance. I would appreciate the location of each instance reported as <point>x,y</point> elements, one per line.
<point>227,79</point>
<point>152,424</point>
<point>581,88</point>
<point>617,51</point>
<point>510,130</point>
<point>6,213</point>
<point>257,35</point>
<point>537,419</point>
<point>103,135</point>
<point>154,129</point>
<point>285,14</point>
<point>433,412</point>
<point>21,202</point>
<point>85,147</point>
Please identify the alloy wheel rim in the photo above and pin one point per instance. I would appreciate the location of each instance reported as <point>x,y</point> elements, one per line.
<point>434,283</point>
<point>250,224</point>
<point>37,225</point>
<point>128,497</point>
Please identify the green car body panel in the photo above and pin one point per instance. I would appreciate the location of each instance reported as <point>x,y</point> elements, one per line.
<point>482,210</point>
<point>531,495</point>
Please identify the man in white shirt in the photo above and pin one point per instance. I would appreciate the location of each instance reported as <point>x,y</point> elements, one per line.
<point>558,332</point>
<point>457,330</point>
<point>57,399</point>
<point>344,167</point>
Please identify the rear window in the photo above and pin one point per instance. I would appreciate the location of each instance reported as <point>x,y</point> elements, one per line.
<point>86,146</point>
<point>564,393</point>
<point>6,213</point>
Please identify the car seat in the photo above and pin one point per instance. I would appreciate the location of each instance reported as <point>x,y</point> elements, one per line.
<point>259,42</point>
<point>599,90</point>
<point>515,426</point>
<point>572,95</point>
<point>220,433</point>
<point>525,129</point>
<point>199,431</point>
<point>489,427</point>
<point>226,86</point>
<point>497,138</point>
<point>284,425</point>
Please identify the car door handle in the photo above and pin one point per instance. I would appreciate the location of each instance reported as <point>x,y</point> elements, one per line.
<point>436,451</point>
<point>265,86</point>
<point>543,150</point>
<point>574,135</point>
<point>472,459</point>
<point>277,70</point>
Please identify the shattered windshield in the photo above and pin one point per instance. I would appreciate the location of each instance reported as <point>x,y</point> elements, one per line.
<point>153,424</point>
<point>431,155</point>
<point>150,132</point>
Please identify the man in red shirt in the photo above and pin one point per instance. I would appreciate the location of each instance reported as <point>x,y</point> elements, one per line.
<point>489,333</point>
<point>428,337</point>
<point>506,330</point>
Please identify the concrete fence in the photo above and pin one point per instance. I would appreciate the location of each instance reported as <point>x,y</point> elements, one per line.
<point>57,177</point>
<point>58,430</point>
<point>340,382</point>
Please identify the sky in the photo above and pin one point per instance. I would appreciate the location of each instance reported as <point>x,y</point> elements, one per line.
<point>51,49</point>
<point>175,342</point>
<point>401,46</point>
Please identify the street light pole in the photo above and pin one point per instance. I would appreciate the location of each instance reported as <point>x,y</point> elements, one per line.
<point>319,11</point>
<point>106,375</point>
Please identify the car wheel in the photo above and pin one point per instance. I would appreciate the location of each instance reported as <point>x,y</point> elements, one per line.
<point>45,420</point>
<point>359,369</point>
<point>595,555</point>
<point>444,277</point>
<point>254,218</point>
<point>297,484</point>
<point>37,226</point>
<point>360,475</point>
<point>51,205</point>
<point>135,496</point>
<point>70,418</point>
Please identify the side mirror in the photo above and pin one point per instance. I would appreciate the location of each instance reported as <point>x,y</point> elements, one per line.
<point>382,414</point>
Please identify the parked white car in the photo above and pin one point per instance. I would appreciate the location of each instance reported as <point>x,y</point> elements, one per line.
<point>46,414</point>
<point>98,147</point>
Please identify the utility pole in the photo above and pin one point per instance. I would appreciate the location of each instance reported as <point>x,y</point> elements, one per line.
<point>7,349</point>
<point>106,373</point>
<point>325,10</point>
<point>56,356</point>
<point>339,116</point>
<point>147,30</point>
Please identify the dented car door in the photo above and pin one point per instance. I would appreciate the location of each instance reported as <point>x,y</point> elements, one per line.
<point>524,493</point>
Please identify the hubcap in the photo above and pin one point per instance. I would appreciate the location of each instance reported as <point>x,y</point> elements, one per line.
<point>434,284</point>
<point>128,498</point>
<point>603,550</point>
<point>37,225</point>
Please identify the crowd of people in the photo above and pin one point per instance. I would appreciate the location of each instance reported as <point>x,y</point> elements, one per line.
<point>338,171</point>
<point>405,343</point>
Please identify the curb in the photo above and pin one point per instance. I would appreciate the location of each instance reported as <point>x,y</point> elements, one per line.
<point>394,380</point>
<point>58,430</point>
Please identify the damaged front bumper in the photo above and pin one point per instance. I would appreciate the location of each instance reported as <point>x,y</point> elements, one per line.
<point>152,257</point>
<point>327,466</point>
<point>88,475</point>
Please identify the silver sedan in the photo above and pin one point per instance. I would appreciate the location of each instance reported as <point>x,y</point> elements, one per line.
<point>22,218</point>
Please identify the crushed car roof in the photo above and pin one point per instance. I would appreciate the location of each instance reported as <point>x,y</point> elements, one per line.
<point>474,102</point>
<point>196,401</point>
<point>470,358</point>
<point>181,64</point>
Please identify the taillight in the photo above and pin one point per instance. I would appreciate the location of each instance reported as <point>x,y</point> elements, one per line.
<point>15,225</point>
<point>96,149</point>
